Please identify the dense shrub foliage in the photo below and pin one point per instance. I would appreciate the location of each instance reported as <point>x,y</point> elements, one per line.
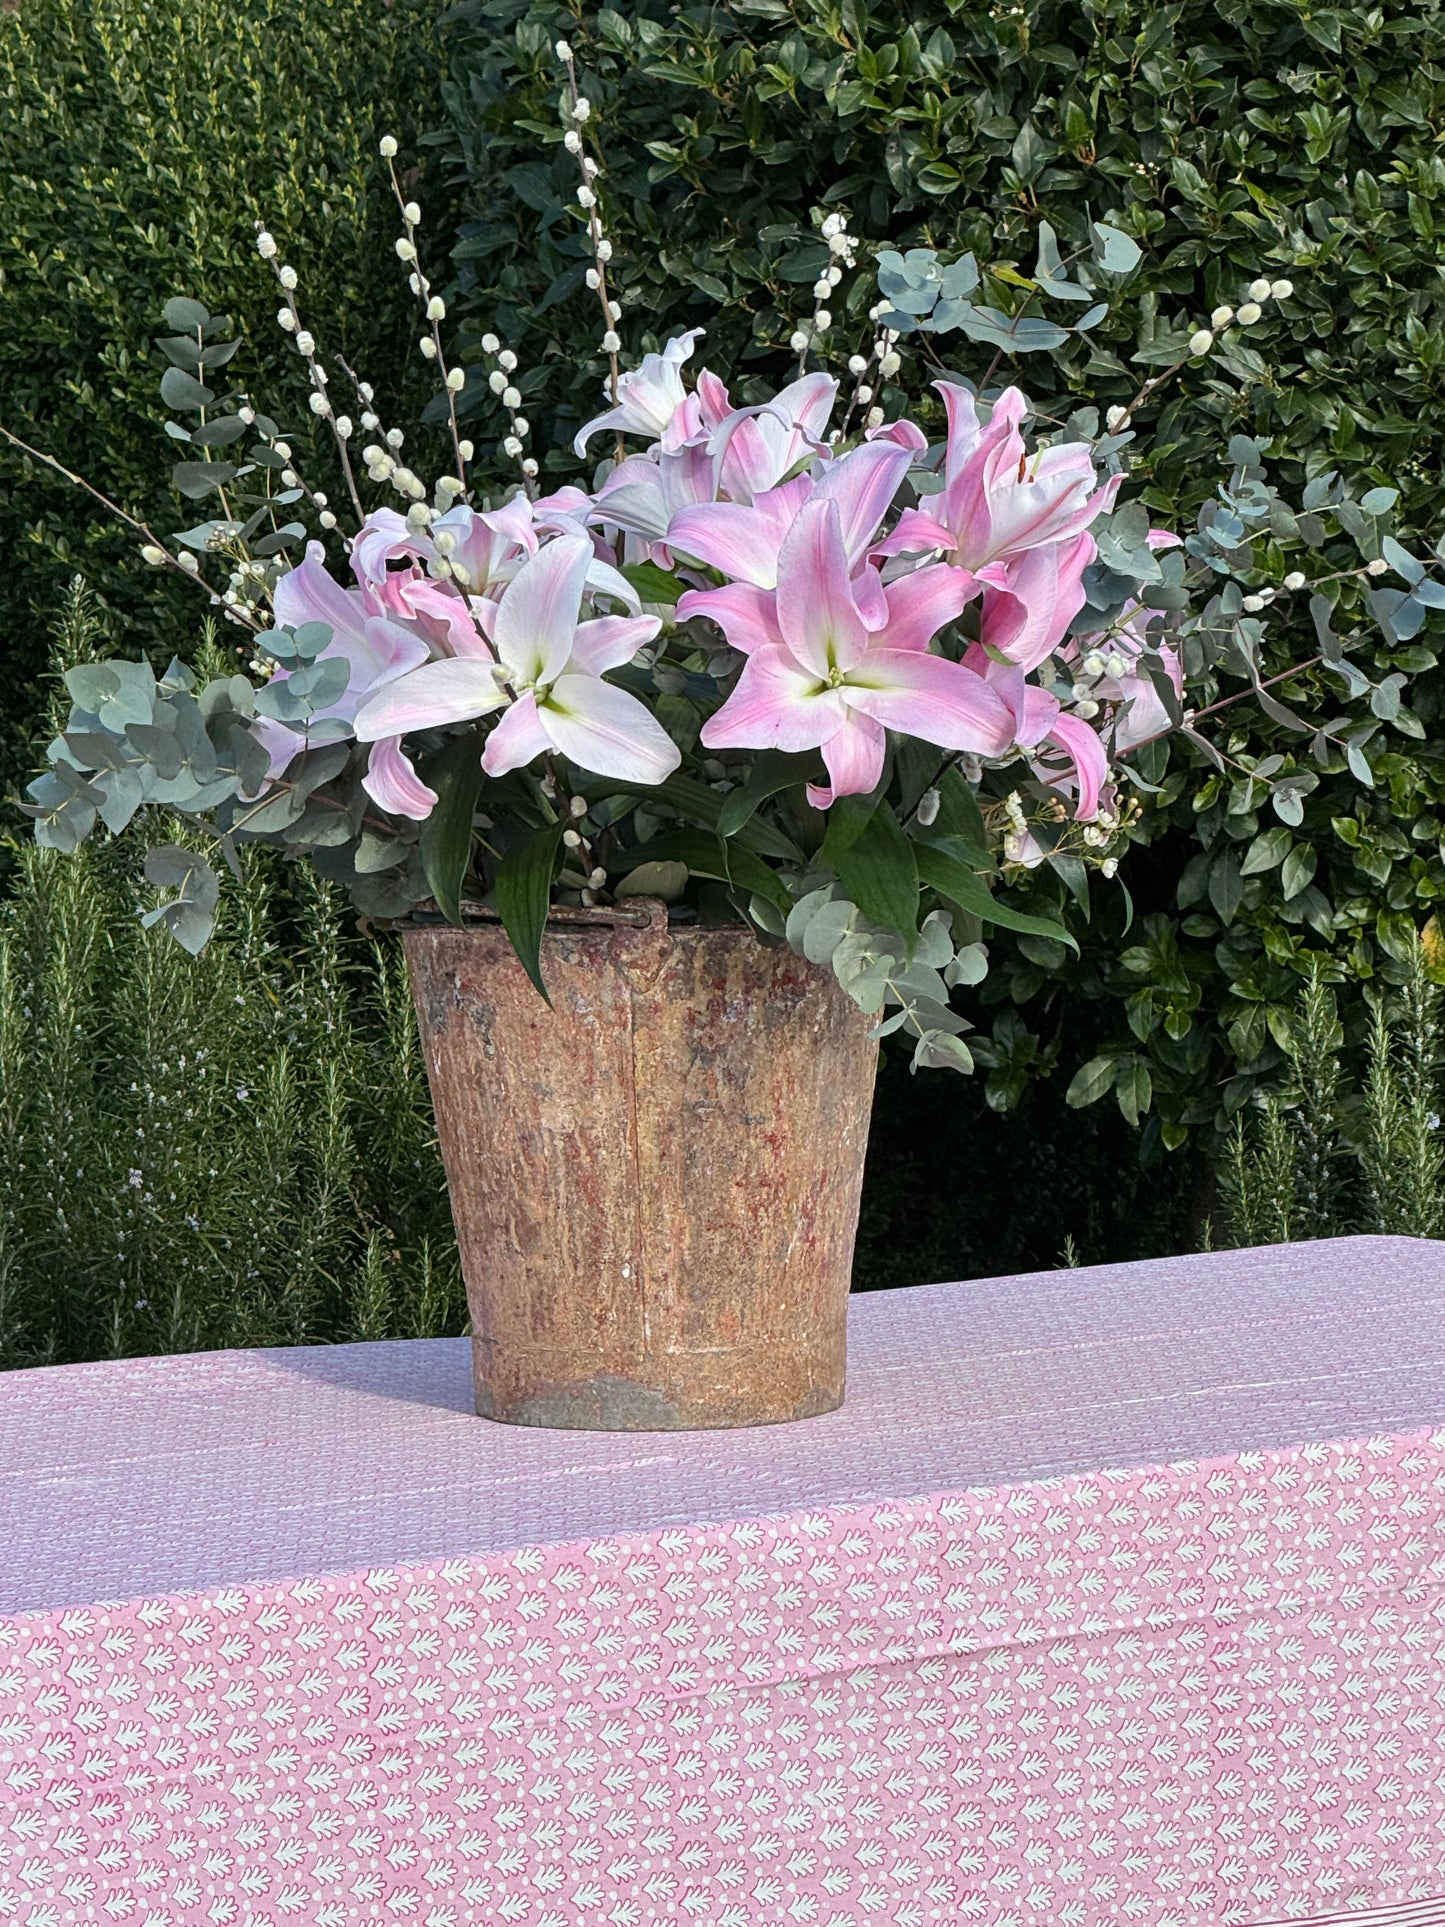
<point>1232,140</point>
<point>139,145</point>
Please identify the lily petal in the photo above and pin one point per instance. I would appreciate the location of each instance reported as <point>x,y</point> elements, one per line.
<point>921,604</point>
<point>608,642</point>
<point>607,731</point>
<point>393,784</point>
<point>854,760</point>
<point>539,607</point>
<point>777,704</point>
<point>747,616</point>
<point>863,483</point>
<point>603,579</point>
<point>1030,616</point>
<point>907,435</point>
<point>308,593</point>
<point>517,740</point>
<point>819,619</point>
<point>383,536</point>
<point>1081,745</point>
<point>917,533</point>
<point>924,696</point>
<point>437,693</point>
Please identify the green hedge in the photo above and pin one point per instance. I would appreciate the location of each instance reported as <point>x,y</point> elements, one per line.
<point>138,145</point>
<point>1232,139</point>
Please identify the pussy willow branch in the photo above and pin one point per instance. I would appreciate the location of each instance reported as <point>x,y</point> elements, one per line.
<point>424,295</point>
<point>122,515</point>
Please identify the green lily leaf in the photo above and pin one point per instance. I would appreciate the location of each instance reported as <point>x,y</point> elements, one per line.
<point>523,893</point>
<point>446,835</point>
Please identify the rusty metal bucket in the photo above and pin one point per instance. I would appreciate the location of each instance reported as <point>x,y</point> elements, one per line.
<point>654,1183</point>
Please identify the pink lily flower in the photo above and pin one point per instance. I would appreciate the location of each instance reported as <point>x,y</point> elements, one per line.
<point>756,448</point>
<point>1028,605</point>
<point>997,499</point>
<point>553,664</point>
<point>1039,719</point>
<point>647,397</point>
<point>376,649</point>
<point>745,540</point>
<point>830,684</point>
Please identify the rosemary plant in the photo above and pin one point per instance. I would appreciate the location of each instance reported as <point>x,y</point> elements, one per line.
<point>230,1150</point>
<point>1323,1156</point>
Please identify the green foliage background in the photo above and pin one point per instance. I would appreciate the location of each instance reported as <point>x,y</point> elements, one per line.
<point>139,144</point>
<point>1232,139</point>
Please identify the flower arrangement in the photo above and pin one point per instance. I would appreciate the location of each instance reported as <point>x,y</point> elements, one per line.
<point>792,660</point>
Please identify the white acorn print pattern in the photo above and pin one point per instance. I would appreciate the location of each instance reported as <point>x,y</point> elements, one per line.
<point>1207,1695</point>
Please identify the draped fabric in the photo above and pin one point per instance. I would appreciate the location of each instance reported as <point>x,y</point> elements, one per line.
<point>1111,1596</point>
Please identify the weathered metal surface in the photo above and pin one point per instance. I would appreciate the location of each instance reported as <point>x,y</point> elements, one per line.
<point>655,1182</point>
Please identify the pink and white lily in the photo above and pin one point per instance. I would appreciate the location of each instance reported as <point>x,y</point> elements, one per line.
<point>998,500</point>
<point>1029,604</point>
<point>828,682</point>
<point>547,674</point>
<point>647,397</point>
<point>377,650</point>
<point>1040,722</point>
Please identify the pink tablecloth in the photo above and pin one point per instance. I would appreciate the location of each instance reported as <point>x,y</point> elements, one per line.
<point>1112,1596</point>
